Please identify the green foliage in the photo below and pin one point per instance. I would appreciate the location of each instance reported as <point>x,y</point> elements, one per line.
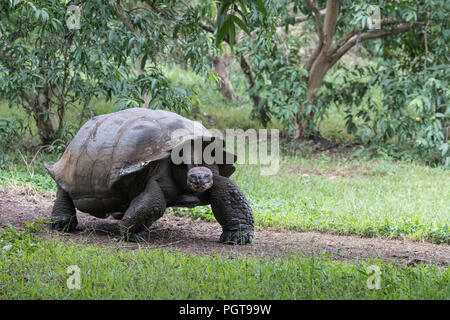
<point>212,108</point>
<point>11,133</point>
<point>238,14</point>
<point>410,70</point>
<point>402,100</point>
<point>392,110</point>
<point>49,68</point>
<point>416,111</point>
<point>37,226</point>
<point>280,81</point>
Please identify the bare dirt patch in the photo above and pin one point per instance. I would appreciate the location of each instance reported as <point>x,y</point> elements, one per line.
<point>18,205</point>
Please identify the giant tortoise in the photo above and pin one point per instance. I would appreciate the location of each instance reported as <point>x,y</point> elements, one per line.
<point>121,164</point>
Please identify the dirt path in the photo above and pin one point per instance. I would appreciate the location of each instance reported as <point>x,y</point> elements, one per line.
<point>18,205</point>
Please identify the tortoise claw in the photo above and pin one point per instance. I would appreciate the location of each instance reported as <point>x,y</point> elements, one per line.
<point>63,223</point>
<point>237,237</point>
<point>136,237</point>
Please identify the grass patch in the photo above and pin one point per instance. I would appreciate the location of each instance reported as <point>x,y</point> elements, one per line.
<point>33,268</point>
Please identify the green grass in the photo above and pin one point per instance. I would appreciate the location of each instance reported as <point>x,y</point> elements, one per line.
<point>32,268</point>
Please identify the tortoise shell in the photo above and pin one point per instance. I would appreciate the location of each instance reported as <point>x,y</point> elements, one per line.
<point>111,147</point>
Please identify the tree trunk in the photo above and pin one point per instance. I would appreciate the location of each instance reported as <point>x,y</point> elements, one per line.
<point>320,60</point>
<point>220,68</point>
<point>318,71</point>
<point>46,121</point>
<point>251,82</point>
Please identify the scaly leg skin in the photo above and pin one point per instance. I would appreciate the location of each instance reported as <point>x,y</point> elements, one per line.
<point>64,216</point>
<point>145,209</point>
<point>232,211</point>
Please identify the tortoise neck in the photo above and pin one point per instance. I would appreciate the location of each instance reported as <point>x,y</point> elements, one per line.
<point>179,176</point>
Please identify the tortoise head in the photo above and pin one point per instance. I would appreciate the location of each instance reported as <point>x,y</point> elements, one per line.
<point>199,179</point>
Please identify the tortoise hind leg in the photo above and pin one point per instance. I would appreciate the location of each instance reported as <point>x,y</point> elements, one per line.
<point>145,209</point>
<point>63,214</point>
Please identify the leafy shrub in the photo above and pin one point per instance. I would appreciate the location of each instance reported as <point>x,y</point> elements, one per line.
<point>11,132</point>
<point>400,114</point>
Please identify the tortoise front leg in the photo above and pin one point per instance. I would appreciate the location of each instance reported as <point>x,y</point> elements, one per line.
<point>232,211</point>
<point>63,214</point>
<point>145,209</point>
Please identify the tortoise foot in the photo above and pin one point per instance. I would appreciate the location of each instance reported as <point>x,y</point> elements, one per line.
<point>237,237</point>
<point>136,237</point>
<point>63,223</point>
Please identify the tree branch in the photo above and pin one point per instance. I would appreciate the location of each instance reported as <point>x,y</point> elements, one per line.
<point>207,28</point>
<point>317,19</point>
<point>319,45</point>
<point>331,18</point>
<point>123,17</point>
<point>325,32</point>
<point>350,39</point>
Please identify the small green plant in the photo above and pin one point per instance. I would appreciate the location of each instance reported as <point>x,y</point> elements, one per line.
<point>14,242</point>
<point>37,226</point>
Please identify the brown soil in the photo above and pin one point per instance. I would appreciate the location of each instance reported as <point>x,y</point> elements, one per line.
<point>18,205</point>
